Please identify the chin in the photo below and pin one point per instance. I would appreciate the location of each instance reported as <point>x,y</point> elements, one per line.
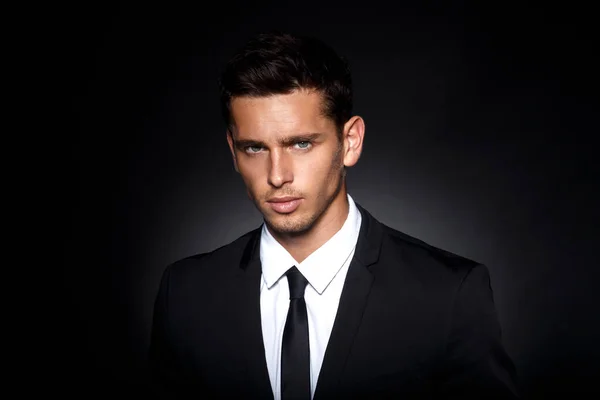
<point>288,224</point>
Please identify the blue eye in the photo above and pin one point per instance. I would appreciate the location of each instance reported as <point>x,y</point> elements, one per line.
<point>301,145</point>
<point>304,147</point>
<point>253,147</point>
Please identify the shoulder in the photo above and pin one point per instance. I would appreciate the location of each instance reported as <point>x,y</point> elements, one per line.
<point>425,261</point>
<point>220,262</point>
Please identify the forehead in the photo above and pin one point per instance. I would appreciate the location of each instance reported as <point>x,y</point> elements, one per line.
<point>281,113</point>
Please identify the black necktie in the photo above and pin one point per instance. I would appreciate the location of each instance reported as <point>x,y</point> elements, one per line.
<point>295,356</point>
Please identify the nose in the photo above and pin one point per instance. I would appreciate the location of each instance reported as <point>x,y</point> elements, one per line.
<point>280,169</point>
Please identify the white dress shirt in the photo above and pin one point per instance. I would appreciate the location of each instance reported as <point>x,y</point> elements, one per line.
<point>325,269</point>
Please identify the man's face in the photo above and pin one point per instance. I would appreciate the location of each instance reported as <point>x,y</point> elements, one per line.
<point>284,146</point>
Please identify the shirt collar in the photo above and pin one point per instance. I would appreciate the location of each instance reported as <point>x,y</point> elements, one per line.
<point>320,267</point>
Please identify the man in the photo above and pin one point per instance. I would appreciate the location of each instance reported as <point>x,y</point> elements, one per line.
<point>322,300</point>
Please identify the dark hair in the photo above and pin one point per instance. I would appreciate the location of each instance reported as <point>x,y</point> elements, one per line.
<point>279,63</point>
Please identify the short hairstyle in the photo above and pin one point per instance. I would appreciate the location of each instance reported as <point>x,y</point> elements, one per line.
<point>280,63</point>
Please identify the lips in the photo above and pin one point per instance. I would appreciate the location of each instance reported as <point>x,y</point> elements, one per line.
<point>282,199</point>
<point>284,205</point>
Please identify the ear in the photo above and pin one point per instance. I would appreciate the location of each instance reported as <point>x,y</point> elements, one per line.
<point>354,133</point>
<point>230,141</point>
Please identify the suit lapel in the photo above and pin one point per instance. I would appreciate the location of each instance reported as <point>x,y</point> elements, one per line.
<point>352,303</point>
<point>248,281</point>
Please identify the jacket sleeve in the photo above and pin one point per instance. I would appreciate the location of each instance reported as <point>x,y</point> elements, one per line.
<point>476,365</point>
<point>163,374</point>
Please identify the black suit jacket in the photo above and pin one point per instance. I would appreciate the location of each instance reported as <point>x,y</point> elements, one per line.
<point>413,321</point>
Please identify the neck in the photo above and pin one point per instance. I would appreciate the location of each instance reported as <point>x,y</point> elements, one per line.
<point>327,225</point>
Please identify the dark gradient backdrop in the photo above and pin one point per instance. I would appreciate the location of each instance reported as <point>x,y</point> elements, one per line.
<point>480,131</point>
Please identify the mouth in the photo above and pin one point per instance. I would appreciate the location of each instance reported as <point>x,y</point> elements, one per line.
<point>284,205</point>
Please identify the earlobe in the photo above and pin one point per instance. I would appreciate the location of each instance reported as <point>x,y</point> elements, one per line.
<point>235,166</point>
<point>232,149</point>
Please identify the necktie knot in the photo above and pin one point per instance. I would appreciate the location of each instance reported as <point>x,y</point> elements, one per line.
<point>297,283</point>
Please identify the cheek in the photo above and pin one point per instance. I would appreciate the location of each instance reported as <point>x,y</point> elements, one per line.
<point>319,174</point>
<point>251,175</point>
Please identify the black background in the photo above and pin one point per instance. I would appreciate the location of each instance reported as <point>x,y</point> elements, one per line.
<point>480,140</point>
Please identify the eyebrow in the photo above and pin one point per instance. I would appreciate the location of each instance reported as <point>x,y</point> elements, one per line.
<point>282,141</point>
